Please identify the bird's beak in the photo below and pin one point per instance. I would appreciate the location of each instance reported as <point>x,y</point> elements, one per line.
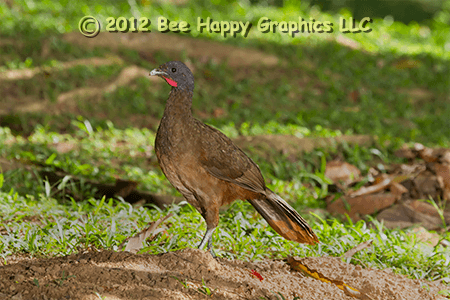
<point>156,72</point>
<point>169,80</point>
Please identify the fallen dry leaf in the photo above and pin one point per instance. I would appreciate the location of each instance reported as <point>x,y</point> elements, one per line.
<point>340,171</point>
<point>429,209</point>
<point>428,155</point>
<point>443,174</point>
<point>405,152</point>
<point>424,235</point>
<point>365,190</point>
<point>426,185</point>
<point>398,190</point>
<point>445,157</point>
<point>361,205</point>
<point>135,243</point>
<point>403,215</point>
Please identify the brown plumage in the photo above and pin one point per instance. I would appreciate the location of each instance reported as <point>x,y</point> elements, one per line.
<point>209,170</point>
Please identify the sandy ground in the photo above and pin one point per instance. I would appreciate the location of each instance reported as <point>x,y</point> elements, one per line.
<point>185,274</point>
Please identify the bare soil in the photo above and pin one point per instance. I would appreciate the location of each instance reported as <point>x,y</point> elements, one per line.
<point>187,274</point>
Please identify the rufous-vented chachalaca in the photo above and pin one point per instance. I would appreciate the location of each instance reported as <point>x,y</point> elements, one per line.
<point>209,170</point>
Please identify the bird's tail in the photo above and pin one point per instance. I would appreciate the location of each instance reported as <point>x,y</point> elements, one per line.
<point>284,219</point>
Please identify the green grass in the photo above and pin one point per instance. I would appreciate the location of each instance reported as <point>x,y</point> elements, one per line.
<point>45,227</point>
<point>35,223</point>
<point>334,71</point>
<point>103,154</point>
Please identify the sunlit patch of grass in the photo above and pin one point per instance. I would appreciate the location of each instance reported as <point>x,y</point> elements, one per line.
<point>99,154</point>
<point>36,224</point>
<point>44,227</point>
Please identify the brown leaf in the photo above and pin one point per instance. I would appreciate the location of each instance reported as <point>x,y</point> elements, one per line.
<point>365,190</point>
<point>405,153</point>
<point>428,155</point>
<point>445,157</point>
<point>418,147</point>
<point>339,171</point>
<point>397,189</point>
<point>426,185</point>
<point>358,248</point>
<point>403,215</point>
<point>428,209</point>
<point>135,243</point>
<point>361,205</point>
<point>443,174</point>
<point>424,235</point>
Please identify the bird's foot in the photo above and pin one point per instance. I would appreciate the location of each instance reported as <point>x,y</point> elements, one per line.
<point>208,239</point>
<point>212,252</point>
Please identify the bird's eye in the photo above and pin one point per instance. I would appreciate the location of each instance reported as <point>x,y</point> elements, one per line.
<point>174,70</point>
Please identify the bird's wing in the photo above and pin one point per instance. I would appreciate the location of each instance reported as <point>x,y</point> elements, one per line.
<point>224,160</point>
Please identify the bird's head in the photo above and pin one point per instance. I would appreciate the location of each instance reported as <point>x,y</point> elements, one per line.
<point>176,74</point>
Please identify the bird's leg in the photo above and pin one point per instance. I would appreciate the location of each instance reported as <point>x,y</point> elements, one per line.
<point>210,246</point>
<point>208,239</point>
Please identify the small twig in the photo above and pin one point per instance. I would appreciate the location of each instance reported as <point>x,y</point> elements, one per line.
<point>358,248</point>
<point>135,242</point>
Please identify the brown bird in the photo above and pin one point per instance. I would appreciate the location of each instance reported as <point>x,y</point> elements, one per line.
<point>209,170</point>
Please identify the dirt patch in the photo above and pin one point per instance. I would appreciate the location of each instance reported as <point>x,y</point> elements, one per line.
<point>292,145</point>
<point>176,44</point>
<point>68,101</point>
<point>190,273</point>
<point>30,73</point>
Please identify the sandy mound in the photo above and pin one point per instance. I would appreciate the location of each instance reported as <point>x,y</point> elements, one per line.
<point>189,273</point>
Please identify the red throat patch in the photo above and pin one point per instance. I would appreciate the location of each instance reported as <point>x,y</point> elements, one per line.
<point>171,82</point>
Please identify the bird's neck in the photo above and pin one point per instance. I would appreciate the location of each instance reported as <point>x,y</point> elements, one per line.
<point>178,106</point>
